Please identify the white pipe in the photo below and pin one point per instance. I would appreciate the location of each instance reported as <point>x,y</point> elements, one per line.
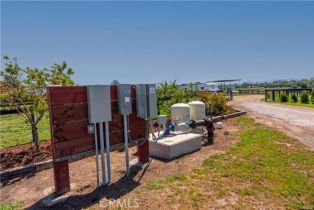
<point>108,151</point>
<point>126,143</point>
<point>102,153</point>
<point>96,151</point>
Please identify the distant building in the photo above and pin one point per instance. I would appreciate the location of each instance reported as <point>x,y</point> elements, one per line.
<point>212,87</point>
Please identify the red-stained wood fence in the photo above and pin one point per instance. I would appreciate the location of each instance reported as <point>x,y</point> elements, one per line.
<point>68,111</point>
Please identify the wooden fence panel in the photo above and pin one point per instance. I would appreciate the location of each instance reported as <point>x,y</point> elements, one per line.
<point>68,111</point>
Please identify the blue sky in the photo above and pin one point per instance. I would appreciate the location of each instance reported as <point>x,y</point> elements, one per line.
<point>137,42</point>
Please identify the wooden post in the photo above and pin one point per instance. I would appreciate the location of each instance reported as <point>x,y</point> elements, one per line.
<point>265,95</point>
<point>61,177</point>
<point>143,152</point>
<point>60,169</point>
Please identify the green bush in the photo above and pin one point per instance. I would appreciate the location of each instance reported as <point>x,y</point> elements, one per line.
<point>304,98</point>
<point>283,97</point>
<point>294,98</point>
<point>217,100</point>
<point>312,96</point>
<point>170,93</point>
<point>268,95</point>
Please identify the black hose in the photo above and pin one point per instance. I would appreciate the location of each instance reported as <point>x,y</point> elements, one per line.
<point>139,141</point>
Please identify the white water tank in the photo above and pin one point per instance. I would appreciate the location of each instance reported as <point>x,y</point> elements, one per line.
<point>180,113</point>
<point>197,110</point>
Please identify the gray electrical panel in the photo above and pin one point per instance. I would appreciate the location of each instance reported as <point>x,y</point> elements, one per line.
<point>124,99</point>
<point>99,103</point>
<point>146,101</point>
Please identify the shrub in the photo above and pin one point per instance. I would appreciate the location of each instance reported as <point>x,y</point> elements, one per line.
<point>294,98</point>
<point>217,100</point>
<point>304,98</point>
<point>312,96</point>
<point>268,95</point>
<point>283,98</point>
<point>169,93</point>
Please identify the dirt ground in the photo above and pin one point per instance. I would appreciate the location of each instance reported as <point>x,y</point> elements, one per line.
<point>34,189</point>
<point>24,154</point>
<point>297,122</point>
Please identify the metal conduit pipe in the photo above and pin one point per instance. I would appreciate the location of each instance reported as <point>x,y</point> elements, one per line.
<point>108,151</point>
<point>96,153</point>
<point>102,153</point>
<point>126,144</point>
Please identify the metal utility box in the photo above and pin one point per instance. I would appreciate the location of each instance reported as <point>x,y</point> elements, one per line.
<point>99,103</point>
<point>146,101</point>
<point>124,99</point>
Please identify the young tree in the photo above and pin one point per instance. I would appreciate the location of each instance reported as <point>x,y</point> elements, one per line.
<point>25,89</point>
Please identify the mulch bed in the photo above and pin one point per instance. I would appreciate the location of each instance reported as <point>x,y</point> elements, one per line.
<point>24,154</point>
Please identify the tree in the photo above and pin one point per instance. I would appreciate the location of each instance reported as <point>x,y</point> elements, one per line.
<point>25,89</point>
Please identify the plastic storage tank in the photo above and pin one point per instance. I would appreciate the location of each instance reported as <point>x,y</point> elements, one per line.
<point>197,110</point>
<point>180,113</point>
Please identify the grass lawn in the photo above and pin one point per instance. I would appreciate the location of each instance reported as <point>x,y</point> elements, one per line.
<point>297,104</point>
<point>15,131</point>
<point>266,169</point>
<point>11,206</point>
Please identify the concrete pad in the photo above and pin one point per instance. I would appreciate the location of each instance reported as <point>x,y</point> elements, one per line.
<point>175,146</point>
<point>219,125</point>
<point>51,199</point>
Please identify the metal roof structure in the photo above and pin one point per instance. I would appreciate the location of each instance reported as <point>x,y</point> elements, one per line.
<point>225,80</point>
<point>222,83</point>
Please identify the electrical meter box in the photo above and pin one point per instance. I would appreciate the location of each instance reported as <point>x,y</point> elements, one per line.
<point>99,103</point>
<point>124,99</point>
<point>146,101</point>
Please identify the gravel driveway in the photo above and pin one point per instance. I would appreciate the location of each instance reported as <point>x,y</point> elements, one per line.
<point>297,122</point>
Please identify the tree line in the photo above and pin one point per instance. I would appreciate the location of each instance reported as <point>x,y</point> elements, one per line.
<point>302,83</point>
